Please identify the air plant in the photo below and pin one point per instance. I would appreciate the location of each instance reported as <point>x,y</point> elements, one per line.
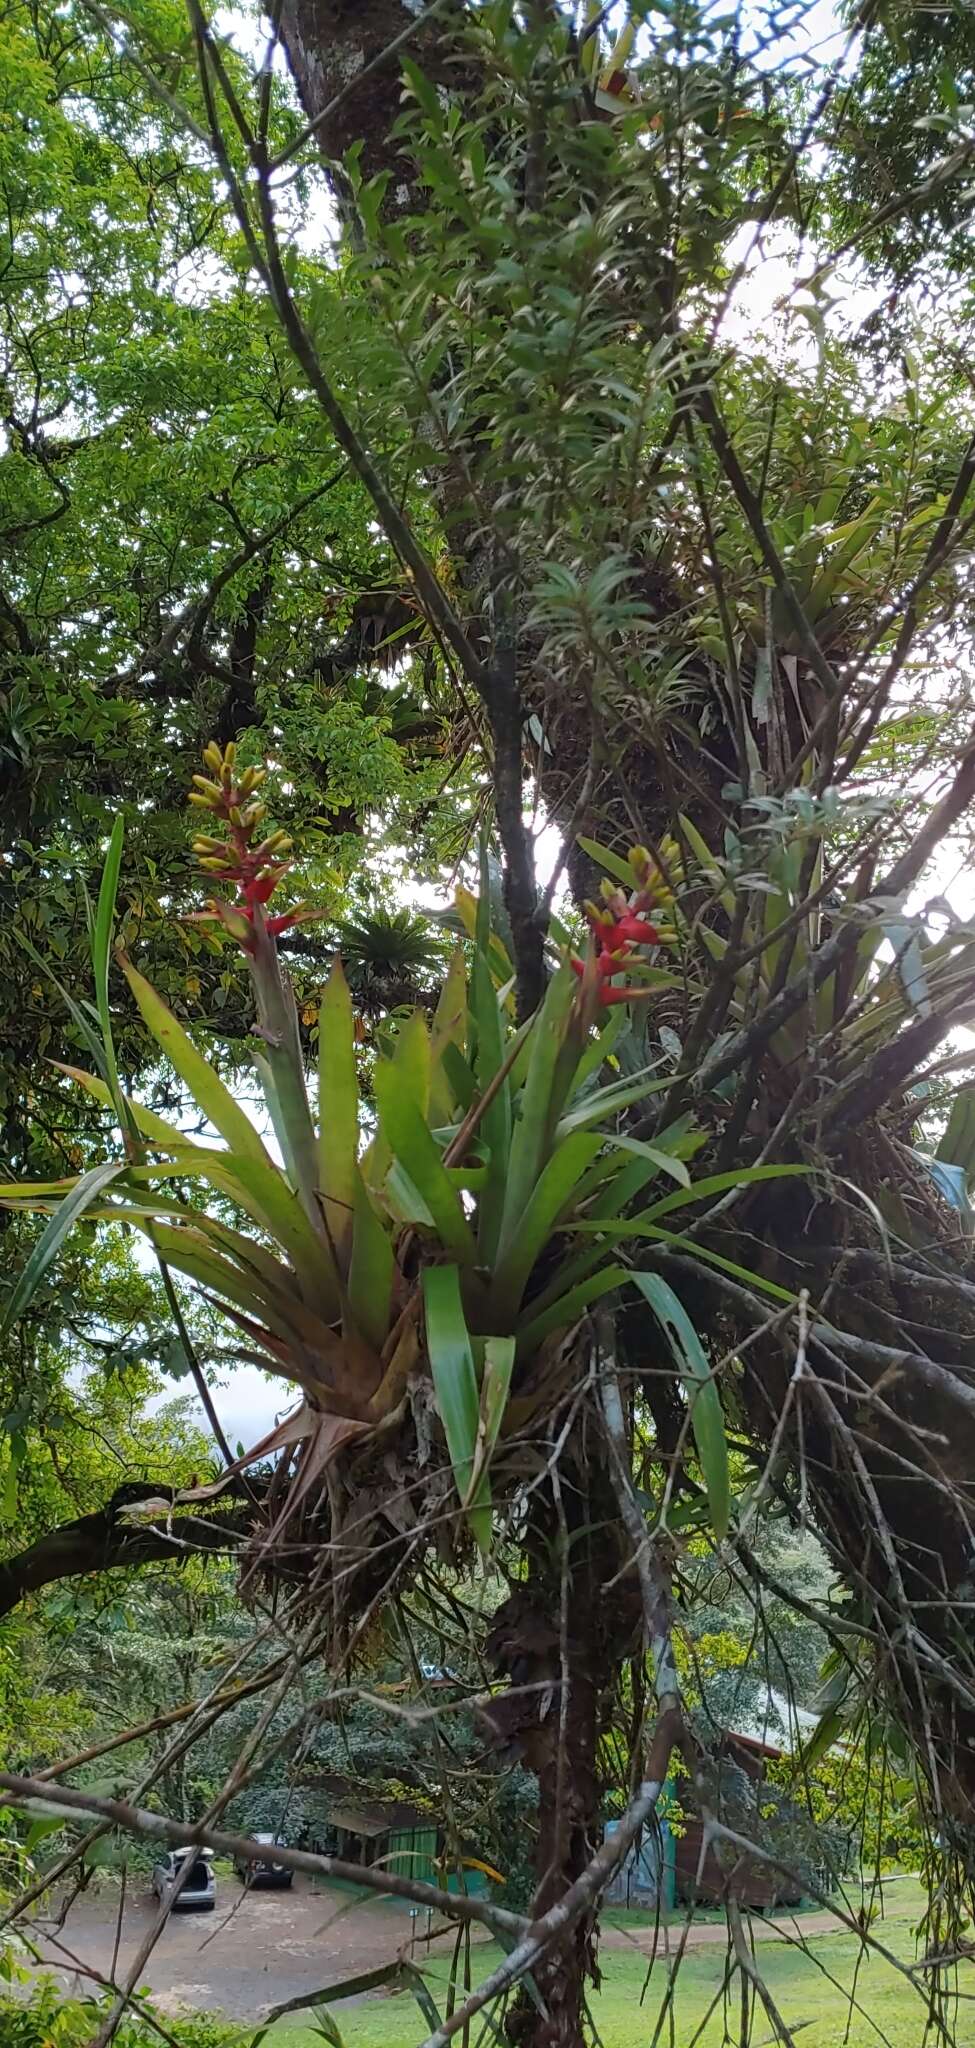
<point>442,1245</point>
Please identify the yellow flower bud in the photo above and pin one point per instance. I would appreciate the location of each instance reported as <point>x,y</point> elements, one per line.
<point>213,757</point>
<point>212,788</point>
<point>207,846</point>
<point>206,802</point>
<point>253,816</point>
<point>234,814</point>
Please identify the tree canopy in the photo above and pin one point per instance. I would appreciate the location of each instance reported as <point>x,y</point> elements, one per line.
<point>387,405</point>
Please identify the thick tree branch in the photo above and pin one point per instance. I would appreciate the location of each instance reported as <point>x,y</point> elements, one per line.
<point>106,1541</point>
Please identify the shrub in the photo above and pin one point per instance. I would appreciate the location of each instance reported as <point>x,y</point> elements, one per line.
<point>49,2020</point>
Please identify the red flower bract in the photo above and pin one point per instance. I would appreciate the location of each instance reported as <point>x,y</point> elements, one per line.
<point>616,933</point>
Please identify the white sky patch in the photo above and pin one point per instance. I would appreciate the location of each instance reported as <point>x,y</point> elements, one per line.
<point>247,1402</point>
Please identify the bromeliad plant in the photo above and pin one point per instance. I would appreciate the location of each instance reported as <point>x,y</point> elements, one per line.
<point>431,1231</point>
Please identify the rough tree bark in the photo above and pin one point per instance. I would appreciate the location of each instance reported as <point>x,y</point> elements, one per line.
<point>558,1639</point>
<point>107,1541</point>
<point>896,1506</point>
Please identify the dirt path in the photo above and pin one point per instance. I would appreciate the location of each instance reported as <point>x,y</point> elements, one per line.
<point>255,1950</point>
<point>259,1948</point>
<point>714,1933</point>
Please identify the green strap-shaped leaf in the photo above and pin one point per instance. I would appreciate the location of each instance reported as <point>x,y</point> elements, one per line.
<point>598,1050</point>
<point>410,1142</point>
<point>192,1253</point>
<point>957,1147</point>
<point>554,1190</point>
<point>203,1082</point>
<point>532,1134</point>
<point>606,858</point>
<point>626,1183</point>
<point>448,1035</point>
<point>495,1125</point>
<point>827,1731</point>
<point>411,1063</point>
<point>260,1189</point>
<point>712,867</point>
<point>656,1155</point>
<point>569,1307</point>
<point>370,1270</point>
<point>83,1026</point>
<point>103,931</point>
<point>338,1106</point>
<point>707,1420</point>
<point>82,1196</point>
<point>458,1076</point>
<point>730,1266</point>
<point>499,1364</point>
<point>455,1384</point>
<point>256,1185</point>
<point>147,1123</point>
<point>605,1102</point>
<point>710,1184</point>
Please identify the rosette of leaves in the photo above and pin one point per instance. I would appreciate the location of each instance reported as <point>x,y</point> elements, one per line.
<point>460,1242</point>
<point>390,959</point>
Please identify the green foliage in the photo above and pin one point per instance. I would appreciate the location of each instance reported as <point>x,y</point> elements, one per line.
<point>49,2020</point>
<point>531,1154</point>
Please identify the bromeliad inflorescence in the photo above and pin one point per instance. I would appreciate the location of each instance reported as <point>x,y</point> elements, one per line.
<point>254,866</point>
<point>618,925</point>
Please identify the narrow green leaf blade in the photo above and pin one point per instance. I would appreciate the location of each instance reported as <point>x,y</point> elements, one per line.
<point>495,1124</point>
<point>710,1184</point>
<point>712,867</point>
<point>203,1082</point>
<point>532,1133</point>
<point>370,1270</point>
<point>454,1380</point>
<point>606,858</point>
<point>162,1134</point>
<point>957,1147</point>
<point>411,1142</point>
<point>87,1034</point>
<point>605,1102</point>
<point>448,1035</point>
<point>338,1107</point>
<point>707,1420</point>
<point>569,1307</point>
<point>553,1191</point>
<point>496,1385</point>
<point>101,950</point>
<point>84,1193</point>
<point>666,1162</point>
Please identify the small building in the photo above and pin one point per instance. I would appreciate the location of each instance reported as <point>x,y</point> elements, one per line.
<point>385,1834</point>
<point>645,1877</point>
<point>701,1879</point>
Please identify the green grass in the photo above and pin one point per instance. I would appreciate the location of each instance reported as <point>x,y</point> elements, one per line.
<point>811,1989</point>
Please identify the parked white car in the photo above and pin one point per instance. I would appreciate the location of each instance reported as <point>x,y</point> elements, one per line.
<point>199,1892</point>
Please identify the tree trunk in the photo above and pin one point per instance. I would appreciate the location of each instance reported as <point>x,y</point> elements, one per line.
<point>873,1423</point>
<point>559,1640</point>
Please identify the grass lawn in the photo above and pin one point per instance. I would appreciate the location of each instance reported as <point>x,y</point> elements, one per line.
<point>811,1990</point>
